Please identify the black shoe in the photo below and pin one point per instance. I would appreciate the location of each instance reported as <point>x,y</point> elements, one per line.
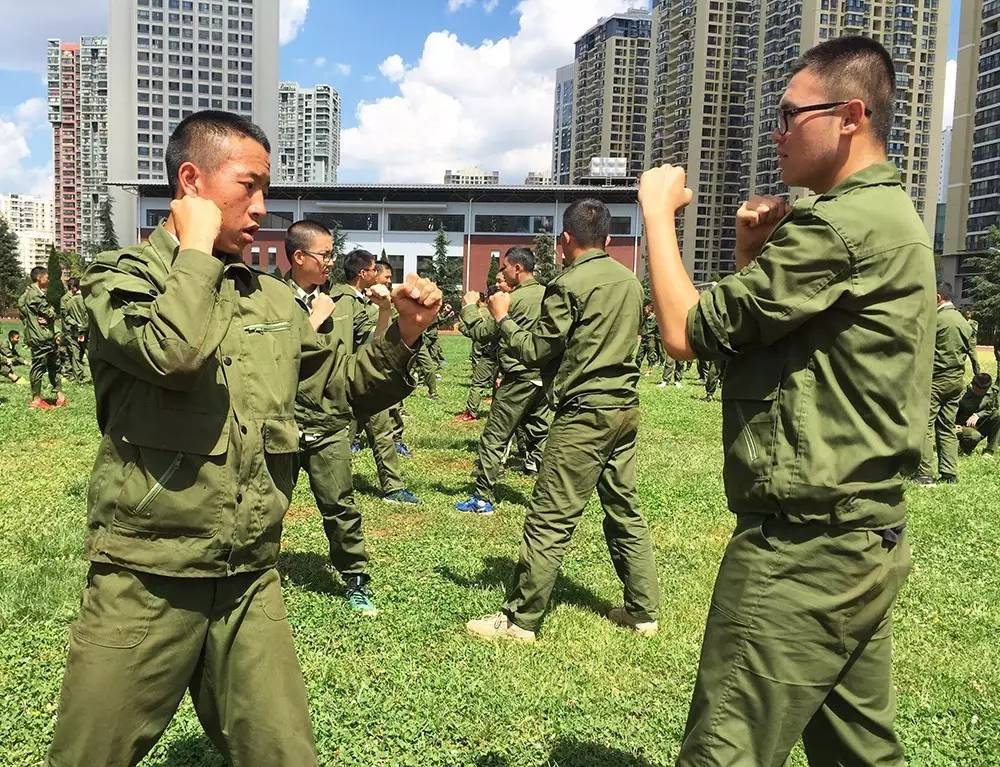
<point>948,479</point>
<point>924,481</point>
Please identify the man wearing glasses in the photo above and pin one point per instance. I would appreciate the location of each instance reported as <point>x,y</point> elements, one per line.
<point>827,331</point>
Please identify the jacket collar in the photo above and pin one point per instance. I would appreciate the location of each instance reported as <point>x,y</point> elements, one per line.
<point>878,174</point>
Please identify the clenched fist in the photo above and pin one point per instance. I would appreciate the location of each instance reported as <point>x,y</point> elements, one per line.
<point>418,302</point>
<point>197,221</point>
<point>470,299</point>
<point>380,296</point>
<point>662,191</point>
<point>756,220</point>
<point>499,305</point>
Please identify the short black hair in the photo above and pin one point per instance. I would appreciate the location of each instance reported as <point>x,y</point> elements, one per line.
<point>856,67</point>
<point>198,137</point>
<point>945,290</point>
<point>12,333</point>
<point>982,381</point>
<point>73,282</point>
<point>356,262</point>
<point>383,265</point>
<point>523,257</point>
<point>300,235</point>
<point>37,272</point>
<point>588,222</point>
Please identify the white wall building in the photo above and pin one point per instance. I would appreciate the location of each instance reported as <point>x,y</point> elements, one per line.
<point>32,219</point>
<point>472,175</point>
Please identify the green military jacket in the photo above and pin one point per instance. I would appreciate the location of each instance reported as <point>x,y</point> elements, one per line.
<point>981,405</point>
<point>482,348</point>
<point>829,339</point>
<point>196,363</point>
<point>953,343</point>
<point>650,328</point>
<point>525,307</point>
<point>37,316</point>
<point>974,324</point>
<point>584,340</point>
<point>74,313</point>
<point>359,309</point>
<point>9,355</point>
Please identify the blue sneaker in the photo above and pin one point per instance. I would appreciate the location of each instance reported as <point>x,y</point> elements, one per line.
<point>403,496</point>
<point>476,505</point>
<point>359,597</point>
<point>355,448</point>
<point>403,451</point>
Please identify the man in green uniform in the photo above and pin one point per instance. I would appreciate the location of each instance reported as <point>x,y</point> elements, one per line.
<point>383,276</point>
<point>196,361</point>
<point>520,400</point>
<point>649,339</point>
<point>39,321</point>
<point>714,372</point>
<point>484,365</point>
<point>367,322</point>
<point>9,357</point>
<point>978,418</point>
<point>952,345</point>
<point>584,343</point>
<point>974,357</point>
<point>325,437</point>
<point>673,371</point>
<point>74,322</point>
<point>828,333</point>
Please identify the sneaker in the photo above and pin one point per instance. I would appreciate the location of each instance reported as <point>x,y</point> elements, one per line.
<point>39,404</point>
<point>433,397</point>
<point>678,384</point>
<point>948,479</point>
<point>476,505</point>
<point>707,398</point>
<point>403,451</point>
<point>355,448</point>
<point>498,626</point>
<point>404,497</point>
<point>438,376</point>
<point>530,467</point>
<point>466,417</point>
<point>619,617</point>
<point>61,400</point>
<point>359,596</point>
<point>924,481</point>
<point>661,385</point>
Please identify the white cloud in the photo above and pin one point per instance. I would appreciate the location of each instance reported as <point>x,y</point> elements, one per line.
<point>33,113</point>
<point>488,105</point>
<point>319,61</point>
<point>344,69</point>
<point>490,5</point>
<point>393,68</point>
<point>16,172</point>
<point>369,78</point>
<point>26,28</point>
<point>292,16</point>
<point>950,75</point>
<point>455,5</point>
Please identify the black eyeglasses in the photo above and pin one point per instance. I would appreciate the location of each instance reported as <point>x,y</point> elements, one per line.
<point>326,258</point>
<point>787,113</point>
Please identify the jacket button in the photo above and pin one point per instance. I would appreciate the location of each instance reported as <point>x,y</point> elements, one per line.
<point>243,429</point>
<point>227,360</point>
<point>239,497</point>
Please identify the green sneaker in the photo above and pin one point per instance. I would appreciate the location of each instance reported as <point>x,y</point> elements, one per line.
<point>359,596</point>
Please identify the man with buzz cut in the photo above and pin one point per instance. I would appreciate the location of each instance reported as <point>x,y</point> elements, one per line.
<point>827,331</point>
<point>383,276</point>
<point>584,344</point>
<point>198,362</point>
<point>39,320</point>
<point>361,274</point>
<point>9,357</point>
<point>74,321</point>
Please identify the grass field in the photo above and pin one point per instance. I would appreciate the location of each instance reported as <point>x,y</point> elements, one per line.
<point>410,688</point>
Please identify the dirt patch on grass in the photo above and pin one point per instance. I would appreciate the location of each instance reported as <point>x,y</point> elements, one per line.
<point>400,525</point>
<point>449,462</point>
<point>297,513</point>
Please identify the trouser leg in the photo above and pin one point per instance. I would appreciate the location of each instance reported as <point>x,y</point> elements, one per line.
<point>509,405</point>
<point>944,426</point>
<point>534,426</point>
<point>927,466</point>
<point>378,429</point>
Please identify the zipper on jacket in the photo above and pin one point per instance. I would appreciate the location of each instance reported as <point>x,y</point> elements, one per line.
<point>747,434</point>
<point>156,489</point>
<point>267,327</point>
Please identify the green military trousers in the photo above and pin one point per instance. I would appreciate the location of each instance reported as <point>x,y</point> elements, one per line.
<point>673,370</point>
<point>987,428</point>
<point>484,376</point>
<point>380,431</point>
<point>798,643</point>
<point>75,350</point>
<point>8,372</point>
<point>427,369</point>
<point>649,349</point>
<point>327,461</point>
<point>517,402</point>
<point>586,450</point>
<point>396,418</point>
<point>141,640</point>
<point>946,394</point>
<point>714,372</point>
<point>44,360</point>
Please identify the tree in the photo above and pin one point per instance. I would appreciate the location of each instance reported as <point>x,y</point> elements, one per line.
<point>446,272</point>
<point>71,261</point>
<point>546,268</point>
<point>339,249</point>
<point>56,289</point>
<point>491,278</point>
<point>11,275</point>
<point>109,240</point>
<point>986,287</point>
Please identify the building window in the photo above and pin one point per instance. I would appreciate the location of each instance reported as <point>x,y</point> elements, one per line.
<point>358,222</point>
<point>506,224</point>
<point>397,268</point>
<point>155,215</point>
<point>277,220</point>
<point>421,222</point>
<point>621,225</point>
<point>255,257</point>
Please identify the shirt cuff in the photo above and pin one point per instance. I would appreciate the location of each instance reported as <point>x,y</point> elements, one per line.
<point>200,265</point>
<point>507,327</point>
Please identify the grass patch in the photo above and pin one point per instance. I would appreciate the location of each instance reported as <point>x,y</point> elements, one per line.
<point>410,688</point>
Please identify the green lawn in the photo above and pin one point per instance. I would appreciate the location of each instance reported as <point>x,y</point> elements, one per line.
<point>410,688</point>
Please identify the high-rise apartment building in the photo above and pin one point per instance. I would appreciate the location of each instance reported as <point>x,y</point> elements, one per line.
<point>974,172</point>
<point>32,220</point>
<point>308,149</point>
<point>562,126</point>
<point>170,58</point>
<point>77,78</point>
<point>472,175</point>
<point>914,33</point>
<point>699,102</point>
<point>611,93</point>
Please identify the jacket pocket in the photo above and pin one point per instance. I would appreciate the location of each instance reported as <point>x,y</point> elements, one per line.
<point>749,420</point>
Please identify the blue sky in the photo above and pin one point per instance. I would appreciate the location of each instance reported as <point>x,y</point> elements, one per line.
<point>485,80</point>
